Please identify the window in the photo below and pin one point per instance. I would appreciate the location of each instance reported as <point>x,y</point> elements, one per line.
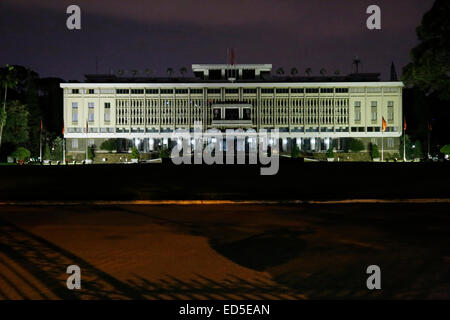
<point>74,111</point>
<point>297,90</point>
<point>122,91</point>
<point>151,91</point>
<point>282,90</point>
<point>247,115</point>
<point>75,91</point>
<point>90,105</point>
<point>107,105</point>
<point>91,91</point>
<point>137,91</point>
<point>91,142</point>
<point>232,91</point>
<point>75,144</point>
<point>217,114</point>
<point>341,90</point>
<point>91,117</point>
<point>390,143</point>
<point>196,91</point>
<point>374,113</point>
<point>373,104</point>
<point>326,90</point>
<point>391,110</point>
<point>181,91</point>
<point>213,91</point>
<point>312,90</point>
<point>166,91</point>
<point>357,110</point>
<point>267,90</point>
<point>249,90</point>
<point>107,115</point>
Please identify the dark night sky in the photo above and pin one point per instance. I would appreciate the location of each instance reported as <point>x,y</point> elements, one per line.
<point>137,34</point>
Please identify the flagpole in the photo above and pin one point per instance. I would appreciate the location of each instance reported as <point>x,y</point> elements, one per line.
<point>40,144</point>
<point>382,147</point>
<point>404,139</point>
<point>404,146</point>
<point>63,146</point>
<point>87,128</point>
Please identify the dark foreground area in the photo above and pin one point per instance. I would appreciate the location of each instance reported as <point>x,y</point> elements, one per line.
<point>295,180</point>
<point>225,252</point>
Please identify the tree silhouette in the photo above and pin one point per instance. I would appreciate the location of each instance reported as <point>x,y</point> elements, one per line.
<point>294,71</point>
<point>170,72</point>
<point>323,72</point>
<point>280,71</point>
<point>8,79</point>
<point>183,70</point>
<point>308,71</point>
<point>429,69</point>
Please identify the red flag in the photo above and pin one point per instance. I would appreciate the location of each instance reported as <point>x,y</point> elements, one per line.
<point>384,125</point>
<point>41,125</point>
<point>430,126</point>
<point>63,129</point>
<point>404,123</point>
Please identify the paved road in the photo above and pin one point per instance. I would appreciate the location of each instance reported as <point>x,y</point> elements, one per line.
<point>225,251</point>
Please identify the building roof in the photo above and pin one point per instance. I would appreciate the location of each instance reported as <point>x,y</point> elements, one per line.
<point>110,78</point>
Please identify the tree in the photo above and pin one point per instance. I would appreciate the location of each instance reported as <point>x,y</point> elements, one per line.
<point>9,80</point>
<point>408,147</point>
<point>417,150</point>
<point>445,149</point>
<point>323,72</point>
<point>280,71</point>
<point>294,71</point>
<point>170,72</point>
<point>355,145</point>
<point>16,127</point>
<point>109,145</point>
<point>374,151</point>
<point>58,149</point>
<point>330,153</point>
<point>308,71</point>
<point>21,154</point>
<point>135,153</point>
<point>148,72</point>
<point>120,72</point>
<point>164,153</point>
<point>337,72</point>
<point>183,70</point>
<point>429,68</point>
<point>47,154</point>
<point>91,152</point>
<point>134,72</point>
<point>295,153</point>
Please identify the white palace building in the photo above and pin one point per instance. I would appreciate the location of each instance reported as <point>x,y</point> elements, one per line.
<point>312,112</point>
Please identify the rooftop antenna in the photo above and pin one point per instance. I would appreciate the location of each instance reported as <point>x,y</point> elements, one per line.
<point>356,62</point>
<point>393,72</point>
<point>232,76</point>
